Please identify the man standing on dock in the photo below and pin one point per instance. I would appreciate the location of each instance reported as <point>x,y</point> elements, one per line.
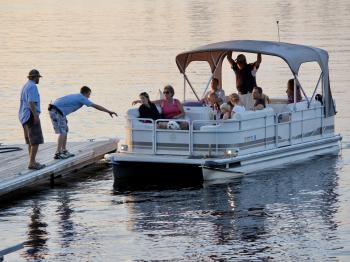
<point>29,116</point>
<point>62,107</point>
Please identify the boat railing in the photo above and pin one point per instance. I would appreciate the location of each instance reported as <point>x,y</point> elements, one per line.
<point>166,136</point>
<point>162,140</point>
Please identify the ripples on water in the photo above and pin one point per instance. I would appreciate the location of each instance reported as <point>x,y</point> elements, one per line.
<point>121,48</point>
<point>279,215</point>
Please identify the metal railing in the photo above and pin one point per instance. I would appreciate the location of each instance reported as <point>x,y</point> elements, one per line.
<point>10,250</point>
<point>279,120</point>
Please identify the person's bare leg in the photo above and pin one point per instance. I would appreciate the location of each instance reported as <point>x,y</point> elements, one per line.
<point>32,154</point>
<point>64,142</point>
<point>60,143</point>
<point>29,150</point>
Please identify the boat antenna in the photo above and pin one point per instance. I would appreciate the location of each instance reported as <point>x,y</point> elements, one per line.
<point>278,30</point>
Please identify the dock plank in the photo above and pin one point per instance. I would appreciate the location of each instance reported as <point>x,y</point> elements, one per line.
<point>15,175</point>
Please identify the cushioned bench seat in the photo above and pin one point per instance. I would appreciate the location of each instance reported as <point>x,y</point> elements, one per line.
<point>253,116</point>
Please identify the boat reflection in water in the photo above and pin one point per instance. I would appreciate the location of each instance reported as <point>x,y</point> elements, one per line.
<point>274,214</point>
<point>36,244</point>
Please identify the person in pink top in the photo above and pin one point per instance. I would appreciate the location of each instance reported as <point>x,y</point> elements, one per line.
<point>171,107</point>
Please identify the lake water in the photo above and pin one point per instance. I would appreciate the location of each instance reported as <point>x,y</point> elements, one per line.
<point>120,48</point>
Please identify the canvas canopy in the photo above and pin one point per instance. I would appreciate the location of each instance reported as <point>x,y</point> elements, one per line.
<point>294,55</point>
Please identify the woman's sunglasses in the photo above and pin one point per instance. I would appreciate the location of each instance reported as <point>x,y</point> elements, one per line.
<point>166,92</point>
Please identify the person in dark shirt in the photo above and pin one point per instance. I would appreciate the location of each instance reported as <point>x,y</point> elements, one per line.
<point>259,101</point>
<point>245,77</point>
<point>147,108</point>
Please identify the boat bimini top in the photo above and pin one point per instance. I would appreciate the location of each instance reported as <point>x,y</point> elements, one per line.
<point>294,55</point>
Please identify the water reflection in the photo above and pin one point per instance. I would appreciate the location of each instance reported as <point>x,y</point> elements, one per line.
<point>37,235</point>
<point>292,214</point>
<point>66,225</point>
<point>293,205</point>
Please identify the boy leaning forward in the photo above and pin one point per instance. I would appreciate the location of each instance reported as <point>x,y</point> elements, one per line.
<point>64,106</point>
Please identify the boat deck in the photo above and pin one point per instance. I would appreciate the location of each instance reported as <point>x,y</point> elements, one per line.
<point>15,175</point>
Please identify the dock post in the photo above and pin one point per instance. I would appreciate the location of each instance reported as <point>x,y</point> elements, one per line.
<point>52,181</point>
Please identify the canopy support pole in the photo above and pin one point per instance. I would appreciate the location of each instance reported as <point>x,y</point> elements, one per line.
<point>313,94</point>
<point>295,89</point>
<point>207,85</point>
<point>212,75</point>
<point>184,89</point>
<point>188,81</point>
<point>295,92</point>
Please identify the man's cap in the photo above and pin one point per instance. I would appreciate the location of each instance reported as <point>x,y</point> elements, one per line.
<point>241,58</point>
<point>34,73</point>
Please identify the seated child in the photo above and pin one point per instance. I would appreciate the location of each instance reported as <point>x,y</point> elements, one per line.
<point>235,103</point>
<point>225,111</point>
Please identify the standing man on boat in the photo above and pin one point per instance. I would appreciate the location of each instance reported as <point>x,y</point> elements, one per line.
<point>245,77</point>
<point>64,106</point>
<point>28,114</point>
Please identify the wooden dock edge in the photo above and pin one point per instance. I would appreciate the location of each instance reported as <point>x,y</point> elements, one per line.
<point>83,158</point>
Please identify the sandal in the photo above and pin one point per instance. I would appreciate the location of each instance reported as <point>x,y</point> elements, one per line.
<point>36,166</point>
<point>60,156</point>
<point>67,154</point>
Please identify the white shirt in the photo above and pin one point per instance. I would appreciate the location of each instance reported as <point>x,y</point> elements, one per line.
<point>238,109</point>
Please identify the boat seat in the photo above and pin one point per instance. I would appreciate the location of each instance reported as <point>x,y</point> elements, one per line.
<point>229,126</point>
<point>279,108</point>
<point>268,111</point>
<point>197,112</point>
<point>303,105</point>
<point>234,125</point>
<point>133,114</point>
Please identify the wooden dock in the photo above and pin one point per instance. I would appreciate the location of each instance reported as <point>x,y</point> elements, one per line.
<point>14,174</point>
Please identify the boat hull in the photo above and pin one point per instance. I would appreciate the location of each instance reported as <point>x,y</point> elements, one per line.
<point>160,169</point>
<point>283,157</point>
<point>153,172</point>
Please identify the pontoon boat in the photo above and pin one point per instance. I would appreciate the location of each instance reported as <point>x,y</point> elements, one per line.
<point>253,140</point>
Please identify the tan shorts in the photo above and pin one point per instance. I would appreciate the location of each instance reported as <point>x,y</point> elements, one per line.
<point>32,132</point>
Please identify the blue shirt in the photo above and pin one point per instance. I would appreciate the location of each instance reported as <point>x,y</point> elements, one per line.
<point>29,93</point>
<point>70,103</point>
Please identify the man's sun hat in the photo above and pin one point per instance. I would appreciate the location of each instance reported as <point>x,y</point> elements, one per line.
<point>34,73</point>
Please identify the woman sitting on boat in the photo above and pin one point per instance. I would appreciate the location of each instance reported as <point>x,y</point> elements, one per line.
<point>235,104</point>
<point>148,109</point>
<point>171,107</point>
<point>220,93</point>
<point>290,92</point>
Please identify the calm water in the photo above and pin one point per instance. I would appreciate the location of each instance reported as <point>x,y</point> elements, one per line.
<point>121,48</point>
